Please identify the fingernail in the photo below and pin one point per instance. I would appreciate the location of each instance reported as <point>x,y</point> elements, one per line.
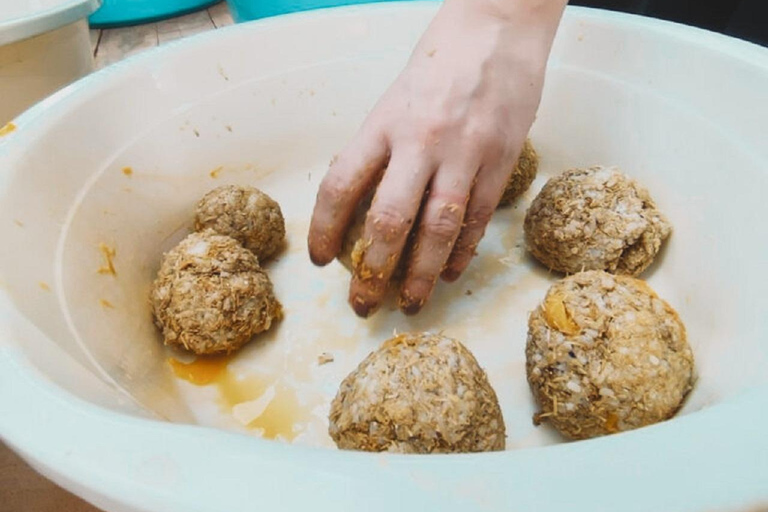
<point>450,275</point>
<point>408,304</point>
<point>362,308</point>
<point>317,259</point>
<point>411,308</point>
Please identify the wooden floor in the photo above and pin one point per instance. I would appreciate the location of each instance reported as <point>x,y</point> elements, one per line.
<point>113,44</point>
<point>21,488</point>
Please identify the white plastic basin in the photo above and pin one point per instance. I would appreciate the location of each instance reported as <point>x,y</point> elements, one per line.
<point>86,393</point>
<point>44,45</point>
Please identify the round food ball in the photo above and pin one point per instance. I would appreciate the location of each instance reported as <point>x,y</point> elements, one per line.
<point>211,296</point>
<point>523,175</point>
<point>595,219</point>
<point>418,393</point>
<point>605,354</point>
<point>246,214</point>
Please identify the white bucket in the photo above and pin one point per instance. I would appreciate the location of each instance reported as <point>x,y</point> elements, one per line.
<point>85,386</point>
<point>44,45</point>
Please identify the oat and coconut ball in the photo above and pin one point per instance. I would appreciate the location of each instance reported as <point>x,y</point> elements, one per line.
<point>605,354</point>
<point>523,175</point>
<point>418,393</point>
<point>211,296</point>
<point>595,219</point>
<point>246,214</point>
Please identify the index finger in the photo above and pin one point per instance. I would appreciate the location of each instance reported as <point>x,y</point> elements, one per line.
<point>350,176</point>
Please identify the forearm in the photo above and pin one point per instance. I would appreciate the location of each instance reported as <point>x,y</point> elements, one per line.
<point>534,21</point>
<point>540,13</point>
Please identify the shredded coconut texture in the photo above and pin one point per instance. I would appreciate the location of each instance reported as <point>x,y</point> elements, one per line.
<point>246,214</point>
<point>523,175</point>
<point>211,296</point>
<point>418,393</point>
<point>595,219</point>
<point>605,354</point>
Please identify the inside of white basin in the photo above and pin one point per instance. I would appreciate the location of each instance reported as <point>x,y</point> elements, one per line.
<point>202,115</point>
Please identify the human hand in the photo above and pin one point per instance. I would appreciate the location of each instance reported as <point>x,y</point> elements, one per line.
<point>438,147</point>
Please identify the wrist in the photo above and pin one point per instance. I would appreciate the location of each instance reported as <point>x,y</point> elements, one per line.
<point>538,12</point>
<point>531,17</point>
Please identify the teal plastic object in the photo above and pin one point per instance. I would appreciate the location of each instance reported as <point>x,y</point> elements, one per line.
<point>246,10</point>
<point>119,13</point>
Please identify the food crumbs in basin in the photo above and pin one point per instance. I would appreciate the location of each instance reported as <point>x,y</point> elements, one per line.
<point>260,404</point>
<point>109,254</point>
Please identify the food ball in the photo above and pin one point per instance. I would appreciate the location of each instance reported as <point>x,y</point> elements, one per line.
<point>246,214</point>
<point>523,175</point>
<point>211,296</point>
<point>418,393</point>
<point>595,219</point>
<point>605,354</point>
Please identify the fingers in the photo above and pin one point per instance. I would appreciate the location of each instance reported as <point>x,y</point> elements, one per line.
<point>388,223</point>
<point>483,201</point>
<point>351,175</point>
<point>438,230</point>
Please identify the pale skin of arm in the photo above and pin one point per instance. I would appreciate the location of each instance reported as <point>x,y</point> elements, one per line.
<point>442,141</point>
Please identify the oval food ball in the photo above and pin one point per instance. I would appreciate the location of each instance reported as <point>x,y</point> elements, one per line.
<point>595,219</point>
<point>523,175</point>
<point>605,354</point>
<point>418,393</point>
<point>246,214</point>
<point>211,296</point>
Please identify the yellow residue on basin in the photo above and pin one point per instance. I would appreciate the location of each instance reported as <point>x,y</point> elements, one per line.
<point>202,371</point>
<point>7,129</point>
<point>281,412</point>
<point>109,254</point>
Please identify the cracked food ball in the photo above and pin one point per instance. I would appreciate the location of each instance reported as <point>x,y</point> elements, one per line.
<point>246,214</point>
<point>595,219</point>
<point>523,175</point>
<point>211,296</point>
<point>418,393</point>
<point>605,354</point>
